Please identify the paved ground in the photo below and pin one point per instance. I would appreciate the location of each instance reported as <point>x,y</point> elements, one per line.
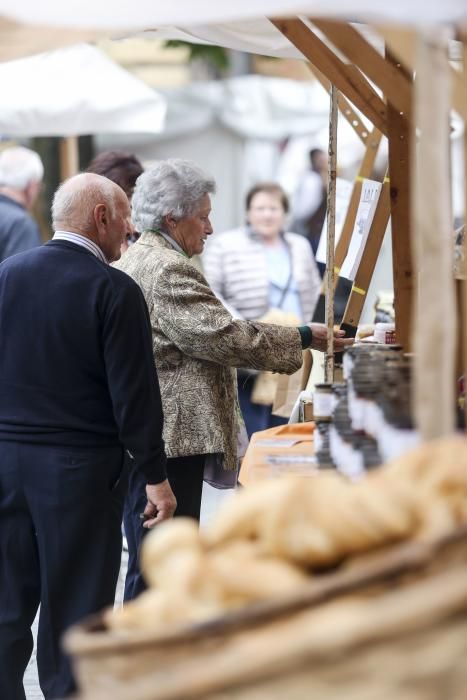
<point>212,498</point>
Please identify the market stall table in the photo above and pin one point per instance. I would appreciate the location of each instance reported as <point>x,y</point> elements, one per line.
<point>286,449</point>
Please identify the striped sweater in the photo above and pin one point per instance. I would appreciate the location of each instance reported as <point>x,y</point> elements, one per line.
<point>235,266</point>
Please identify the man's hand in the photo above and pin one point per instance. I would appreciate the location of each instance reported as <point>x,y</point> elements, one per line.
<point>161,504</point>
<point>320,338</point>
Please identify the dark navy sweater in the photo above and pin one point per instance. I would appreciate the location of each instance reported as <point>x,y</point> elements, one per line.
<point>76,360</point>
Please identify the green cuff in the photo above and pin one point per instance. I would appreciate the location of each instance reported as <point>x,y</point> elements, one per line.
<point>306,336</point>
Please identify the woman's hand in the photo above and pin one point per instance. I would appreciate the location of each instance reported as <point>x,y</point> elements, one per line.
<point>320,338</point>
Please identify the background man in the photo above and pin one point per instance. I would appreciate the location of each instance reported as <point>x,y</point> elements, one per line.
<point>21,173</point>
<point>310,199</point>
<point>77,383</point>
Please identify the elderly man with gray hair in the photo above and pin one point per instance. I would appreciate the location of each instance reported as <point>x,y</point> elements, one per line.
<point>77,386</point>
<point>21,173</point>
<point>197,344</point>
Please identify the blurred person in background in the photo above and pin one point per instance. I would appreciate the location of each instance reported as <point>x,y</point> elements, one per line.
<point>21,173</point>
<point>309,202</point>
<point>261,271</point>
<point>123,169</point>
<point>197,344</point>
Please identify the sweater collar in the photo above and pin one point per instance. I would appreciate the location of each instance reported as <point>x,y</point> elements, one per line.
<point>82,241</point>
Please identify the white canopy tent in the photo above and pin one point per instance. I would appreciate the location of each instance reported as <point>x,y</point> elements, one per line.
<point>244,130</point>
<point>237,129</point>
<point>72,91</point>
<point>29,27</point>
<point>128,14</point>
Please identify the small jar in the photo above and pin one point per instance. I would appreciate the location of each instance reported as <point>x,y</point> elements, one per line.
<point>323,403</point>
<point>322,446</point>
<point>385,333</point>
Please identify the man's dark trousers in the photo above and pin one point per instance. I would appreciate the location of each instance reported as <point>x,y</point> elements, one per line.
<point>185,475</point>
<point>60,546</point>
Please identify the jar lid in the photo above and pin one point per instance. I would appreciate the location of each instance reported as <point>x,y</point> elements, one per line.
<point>385,326</point>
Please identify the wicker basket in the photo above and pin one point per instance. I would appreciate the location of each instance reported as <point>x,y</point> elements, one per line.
<point>390,627</point>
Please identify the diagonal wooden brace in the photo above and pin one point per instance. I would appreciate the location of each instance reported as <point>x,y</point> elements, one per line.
<point>396,85</point>
<point>347,78</point>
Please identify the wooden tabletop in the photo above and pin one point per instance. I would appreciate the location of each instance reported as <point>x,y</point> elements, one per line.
<point>278,451</point>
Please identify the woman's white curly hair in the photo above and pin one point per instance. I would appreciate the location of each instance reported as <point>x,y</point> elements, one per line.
<point>171,187</point>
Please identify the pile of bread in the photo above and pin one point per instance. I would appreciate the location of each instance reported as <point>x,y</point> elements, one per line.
<point>270,538</point>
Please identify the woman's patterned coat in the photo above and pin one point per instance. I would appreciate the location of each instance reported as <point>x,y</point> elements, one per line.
<point>197,345</point>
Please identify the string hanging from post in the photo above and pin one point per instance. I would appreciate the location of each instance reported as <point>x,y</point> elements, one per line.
<point>331,235</point>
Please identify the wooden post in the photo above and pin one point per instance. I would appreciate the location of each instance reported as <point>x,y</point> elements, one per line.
<point>371,139</point>
<point>331,233</point>
<point>463,316</point>
<point>401,43</point>
<point>69,157</point>
<point>399,148</point>
<point>434,336</point>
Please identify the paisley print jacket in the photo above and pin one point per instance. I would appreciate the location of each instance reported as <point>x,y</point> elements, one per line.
<point>197,346</point>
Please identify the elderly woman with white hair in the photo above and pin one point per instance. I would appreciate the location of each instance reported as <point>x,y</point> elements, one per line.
<point>197,344</point>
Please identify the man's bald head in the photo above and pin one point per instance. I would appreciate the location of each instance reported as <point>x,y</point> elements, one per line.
<point>96,208</point>
<point>76,199</point>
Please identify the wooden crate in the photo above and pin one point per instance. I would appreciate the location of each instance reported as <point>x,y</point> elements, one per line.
<point>393,626</point>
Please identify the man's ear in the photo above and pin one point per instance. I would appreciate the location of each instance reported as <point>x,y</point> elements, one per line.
<point>100,216</point>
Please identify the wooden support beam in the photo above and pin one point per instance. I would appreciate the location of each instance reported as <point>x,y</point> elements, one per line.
<point>345,108</point>
<point>459,93</point>
<point>69,157</point>
<point>347,78</point>
<point>399,147</point>
<point>434,326</point>
<point>401,43</point>
<point>463,316</point>
<point>396,85</point>
<point>367,264</point>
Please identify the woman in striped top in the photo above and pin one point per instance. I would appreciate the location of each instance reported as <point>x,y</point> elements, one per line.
<point>260,267</point>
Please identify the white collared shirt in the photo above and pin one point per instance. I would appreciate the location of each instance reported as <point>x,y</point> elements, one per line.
<point>82,241</point>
